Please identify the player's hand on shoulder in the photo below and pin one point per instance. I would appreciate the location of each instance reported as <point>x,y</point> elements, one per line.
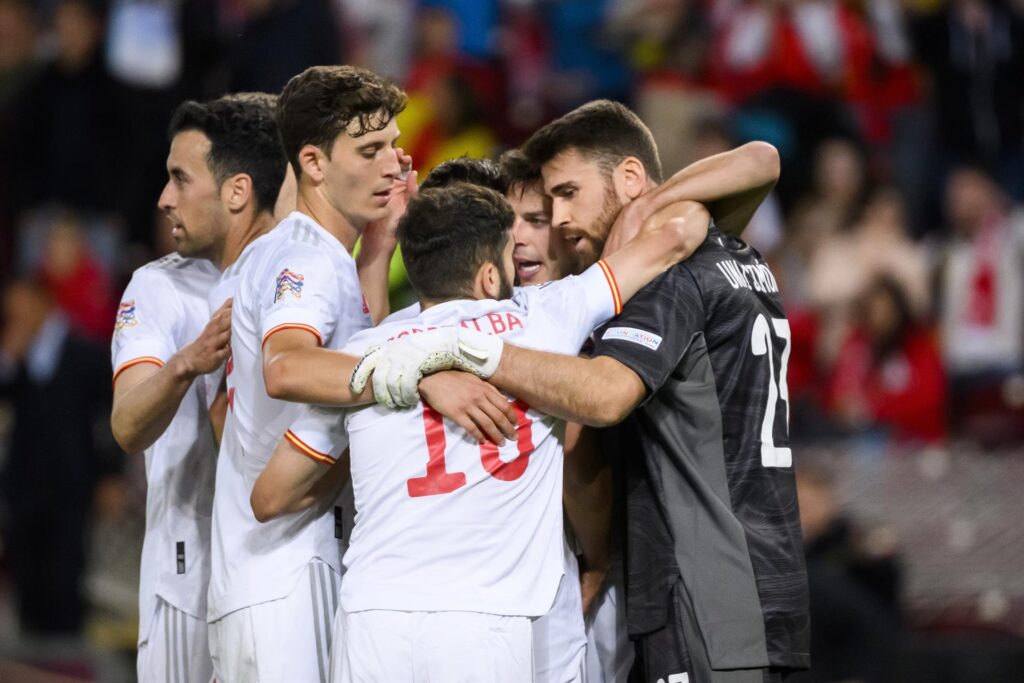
<point>471,403</point>
<point>212,346</point>
<point>398,366</point>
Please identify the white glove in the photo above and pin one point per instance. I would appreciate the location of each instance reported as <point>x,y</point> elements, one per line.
<point>399,365</point>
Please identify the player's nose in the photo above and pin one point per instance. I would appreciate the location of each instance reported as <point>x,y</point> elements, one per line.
<point>391,167</point>
<point>560,214</point>
<point>167,198</point>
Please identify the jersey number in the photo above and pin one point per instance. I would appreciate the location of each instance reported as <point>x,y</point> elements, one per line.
<point>439,480</point>
<point>761,345</point>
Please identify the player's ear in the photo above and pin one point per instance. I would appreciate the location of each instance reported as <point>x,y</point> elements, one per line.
<point>237,192</point>
<point>630,178</point>
<point>312,161</point>
<point>489,280</point>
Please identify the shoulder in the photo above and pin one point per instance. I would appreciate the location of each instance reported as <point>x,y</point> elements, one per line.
<point>287,252</point>
<point>363,340</point>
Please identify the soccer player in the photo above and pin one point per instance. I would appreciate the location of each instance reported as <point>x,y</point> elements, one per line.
<point>457,545</point>
<point>273,585</point>
<point>224,168</point>
<point>716,586</point>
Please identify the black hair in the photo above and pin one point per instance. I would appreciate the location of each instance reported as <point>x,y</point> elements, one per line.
<point>447,233</point>
<point>243,139</point>
<point>319,104</point>
<point>518,170</point>
<point>482,172</point>
<point>602,130</point>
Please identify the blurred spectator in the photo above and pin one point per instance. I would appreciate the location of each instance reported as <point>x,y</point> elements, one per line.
<point>981,282</point>
<point>835,201</point>
<point>72,129</point>
<point>58,385</point>
<point>975,52</point>
<point>378,34</point>
<point>854,580</point>
<point>982,279</point>
<point>584,62</point>
<point>477,24</point>
<point>447,89</point>
<point>79,285</point>
<point>18,70</point>
<point>159,52</point>
<point>889,372</point>
<point>843,266</point>
<point>279,39</point>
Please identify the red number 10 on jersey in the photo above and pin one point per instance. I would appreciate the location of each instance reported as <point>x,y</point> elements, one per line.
<point>439,480</point>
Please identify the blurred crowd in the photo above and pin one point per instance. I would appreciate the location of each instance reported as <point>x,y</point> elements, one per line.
<point>895,229</point>
<point>896,232</point>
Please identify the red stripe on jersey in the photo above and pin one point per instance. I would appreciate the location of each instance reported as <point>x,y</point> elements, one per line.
<point>610,277</point>
<point>308,450</point>
<point>137,361</point>
<point>293,326</point>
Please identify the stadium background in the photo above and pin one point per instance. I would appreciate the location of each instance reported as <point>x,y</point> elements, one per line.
<point>895,232</point>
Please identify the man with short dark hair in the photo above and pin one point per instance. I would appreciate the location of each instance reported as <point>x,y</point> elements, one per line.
<point>225,167</point>
<point>482,172</point>
<point>298,296</point>
<point>483,522</point>
<point>701,355</point>
<point>295,293</point>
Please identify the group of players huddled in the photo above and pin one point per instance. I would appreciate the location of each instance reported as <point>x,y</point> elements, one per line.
<point>338,492</point>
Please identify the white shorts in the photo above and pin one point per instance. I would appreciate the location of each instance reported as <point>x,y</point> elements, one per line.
<point>559,640</point>
<point>609,650</point>
<point>432,647</point>
<point>286,640</point>
<point>176,649</point>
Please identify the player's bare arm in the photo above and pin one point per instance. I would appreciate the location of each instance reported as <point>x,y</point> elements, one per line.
<point>292,482</point>
<point>296,368</point>
<point>378,242</point>
<point>731,184</point>
<point>598,392</point>
<point>587,494</point>
<point>146,396</point>
<point>398,366</point>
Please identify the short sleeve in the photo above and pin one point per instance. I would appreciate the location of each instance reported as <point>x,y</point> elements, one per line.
<point>146,327</point>
<point>655,328</point>
<point>580,303</point>
<point>299,290</point>
<point>319,433</point>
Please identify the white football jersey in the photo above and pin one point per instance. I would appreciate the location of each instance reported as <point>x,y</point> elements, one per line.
<point>442,522</point>
<point>164,309</point>
<point>298,276</point>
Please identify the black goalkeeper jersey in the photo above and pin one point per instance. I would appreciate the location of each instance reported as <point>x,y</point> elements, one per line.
<point>711,497</point>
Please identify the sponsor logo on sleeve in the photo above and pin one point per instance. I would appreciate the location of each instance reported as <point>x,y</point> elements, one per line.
<point>631,334</point>
<point>288,282</point>
<point>125,315</point>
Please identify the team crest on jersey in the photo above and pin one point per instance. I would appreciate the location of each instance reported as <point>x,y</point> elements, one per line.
<point>288,282</point>
<point>125,315</point>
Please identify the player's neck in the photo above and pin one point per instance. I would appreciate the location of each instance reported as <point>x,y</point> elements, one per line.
<point>242,235</point>
<point>313,205</point>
